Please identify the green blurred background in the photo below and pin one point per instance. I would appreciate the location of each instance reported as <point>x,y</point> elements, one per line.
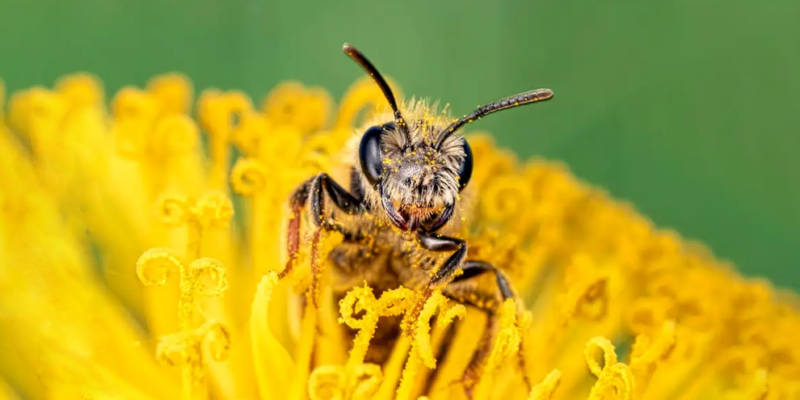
<point>687,108</point>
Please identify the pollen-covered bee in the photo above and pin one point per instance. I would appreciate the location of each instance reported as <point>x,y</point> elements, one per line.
<point>404,192</point>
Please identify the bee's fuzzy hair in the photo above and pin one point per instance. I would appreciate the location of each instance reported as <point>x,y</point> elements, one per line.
<point>426,121</point>
<point>415,111</point>
<point>421,110</point>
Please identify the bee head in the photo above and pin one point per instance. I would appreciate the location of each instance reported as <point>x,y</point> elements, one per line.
<point>417,181</point>
<point>418,165</point>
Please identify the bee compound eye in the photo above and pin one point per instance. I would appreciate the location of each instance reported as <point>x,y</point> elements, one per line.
<point>465,171</point>
<point>369,154</point>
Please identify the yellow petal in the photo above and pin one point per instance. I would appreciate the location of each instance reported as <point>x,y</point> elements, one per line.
<point>6,392</point>
<point>272,362</point>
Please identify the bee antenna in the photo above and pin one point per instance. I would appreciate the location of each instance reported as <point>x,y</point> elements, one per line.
<point>358,57</point>
<point>502,104</point>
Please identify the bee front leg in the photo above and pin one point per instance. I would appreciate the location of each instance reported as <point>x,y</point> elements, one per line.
<point>446,273</point>
<point>297,202</point>
<point>445,276</point>
<point>315,189</point>
<point>470,270</point>
<point>442,276</point>
<point>474,268</point>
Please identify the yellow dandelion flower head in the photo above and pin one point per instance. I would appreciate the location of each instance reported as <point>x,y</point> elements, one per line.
<point>140,261</point>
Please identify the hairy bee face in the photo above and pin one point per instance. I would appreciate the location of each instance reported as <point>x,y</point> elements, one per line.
<point>416,165</point>
<point>418,182</point>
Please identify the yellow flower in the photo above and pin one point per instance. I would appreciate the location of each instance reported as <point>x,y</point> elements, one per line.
<point>139,261</point>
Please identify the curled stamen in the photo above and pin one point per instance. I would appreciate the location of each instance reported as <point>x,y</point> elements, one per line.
<point>80,90</point>
<point>155,266</point>
<point>20,109</point>
<point>173,91</point>
<point>646,314</point>
<point>219,114</point>
<point>601,345</point>
<point>327,383</point>
<point>216,338</point>
<point>207,277</point>
<point>743,360</point>
<point>174,135</point>
<point>134,113</point>
<point>504,198</point>
<point>587,295</point>
<point>175,349</point>
<point>218,111</point>
<point>357,300</point>
<point>508,338</point>
<point>647,352</point>
<point>248,176</point>
<point>506,345</point>
<point>39,114</point>
<point>614,380</point>
<point>186,348</point>
<point>132,104</point>
<point>422,336</point>
<point>325,145</point>
<point>249,134</point>
<point>360,299</point>
<point>395,302</point>
<point>291,103</point>
<point>202,277</point>
<point>366,380</point>
<point>595,294</point>
<point>317,153</point>
<point>173,210</point>
<point>214,209</point>
<point>334,382</point>
<point>421,352</point>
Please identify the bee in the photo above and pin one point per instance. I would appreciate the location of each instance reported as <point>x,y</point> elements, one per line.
<point>405,183</point>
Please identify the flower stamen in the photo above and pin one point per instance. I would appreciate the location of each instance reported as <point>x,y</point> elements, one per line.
<point>614,380</point>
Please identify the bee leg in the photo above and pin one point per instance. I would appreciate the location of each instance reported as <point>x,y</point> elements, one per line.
<point>472,269</point>
<point>316,188</point>
<point>296,202</point>
<point>445,243</point>
<point>341,198</point>
<point>442,276</point>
